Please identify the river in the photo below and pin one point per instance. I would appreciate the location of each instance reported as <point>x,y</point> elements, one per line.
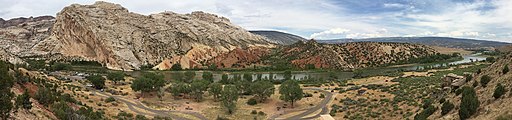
<point>300,75</point>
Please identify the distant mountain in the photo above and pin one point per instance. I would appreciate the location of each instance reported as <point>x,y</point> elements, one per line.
<point>279,37</point>
<point>432,41</point>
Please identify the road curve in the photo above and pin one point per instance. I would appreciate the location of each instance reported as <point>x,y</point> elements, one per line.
<point>322,105</point>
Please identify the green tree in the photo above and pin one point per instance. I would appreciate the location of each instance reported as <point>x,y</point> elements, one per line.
<point>484,80</point>
<point>447,107</point>
<point>287,75</point>
<point>179,76</point>
<point>45,96</point>
<point>198,87</point>
<point>248,77</point>
<point>97,80</point>
<point>469,103</point>
<point>505,69</point>
<point>229,97</point>
<point>290,91</point>
<point>6,82</point>
<point>60,66</point>
<point>262,90</point>
<point>490,59</point>
<point>142,84</point>
<point>62,110</point>
<point>5,103</point>
<point>189,76</point>
<point>225,79</point>
<point>212,67</point>
<point>176,67</point>
<point>179,88</point>
<point>116,76</point>
<point>499,91</point>
<point>215,89</point>
<point>243,87</point>
<point>148,82</point>
<point>23,101</point>
<point>208,76</point>
<point>259,77</point>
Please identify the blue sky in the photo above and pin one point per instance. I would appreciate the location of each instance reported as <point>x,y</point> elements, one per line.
<point>325,19</point>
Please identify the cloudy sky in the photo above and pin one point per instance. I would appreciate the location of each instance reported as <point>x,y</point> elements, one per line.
<point>325,19</point>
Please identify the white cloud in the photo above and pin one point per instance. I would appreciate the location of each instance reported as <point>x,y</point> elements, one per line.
<point>335,31</point>
<point>316,18</point>
<point>346,33</point>
<point>394,5</point>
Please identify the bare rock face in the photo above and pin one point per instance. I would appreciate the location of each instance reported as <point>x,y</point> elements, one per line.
<point>19,35</point>
<point>241,58</point>
<point>119,39</point>
<point>8,57</point>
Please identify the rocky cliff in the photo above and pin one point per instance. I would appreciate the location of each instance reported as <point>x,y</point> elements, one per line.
<point>279,37</point>
<point>119,39</point>
<point>19,35</point>
<point>350,55</point>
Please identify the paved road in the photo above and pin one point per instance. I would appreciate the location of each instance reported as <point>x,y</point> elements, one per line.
<point>322,105</point>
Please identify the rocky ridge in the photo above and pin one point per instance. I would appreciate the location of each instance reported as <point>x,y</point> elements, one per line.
<point>119,39</point>
<point>351,55</point>
<point>19,35</point>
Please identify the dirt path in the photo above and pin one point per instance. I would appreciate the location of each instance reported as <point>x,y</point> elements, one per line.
<point>322,105</point>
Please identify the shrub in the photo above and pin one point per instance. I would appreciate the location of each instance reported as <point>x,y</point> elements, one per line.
<point>490,59</point>
<point>469,103</point>
<point>261,113</point>
<point>505,69</point>
<point>423,115</point>
<point>446,108</point>
<point>110,99</point>
<point>499,91</point>
<point>458,92</point>
<point>252,101</point>
<point>427,103</point>
<point>475,84</point>
<point>442,100</point>
<point>322,96</point>
<point>308,95</point>
<point>469,77</point>
<point>254,112</point>
<point>484,80</point>
<point>141,117</point>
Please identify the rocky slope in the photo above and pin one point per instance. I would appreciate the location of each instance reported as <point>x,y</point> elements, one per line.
<point>279,37</point>
<point>7,56</point>
<point>119,39</point>
<point>19,35</point>
<point>241,58</point>
<point>350,55</point>
<point>490,108</point>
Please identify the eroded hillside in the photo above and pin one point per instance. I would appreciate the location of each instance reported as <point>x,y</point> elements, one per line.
<point>350,55</point>
<point>119,39</point>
